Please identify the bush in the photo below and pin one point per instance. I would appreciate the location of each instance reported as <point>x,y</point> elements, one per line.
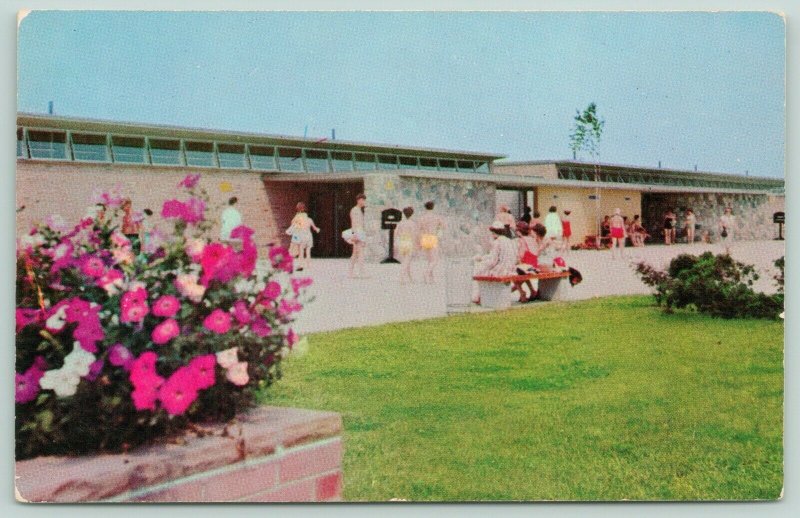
<point>116,347</point>
<point>714,285</point>
<point>779,264</point>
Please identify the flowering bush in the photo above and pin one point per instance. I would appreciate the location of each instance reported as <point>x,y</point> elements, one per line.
<point>120,343</point>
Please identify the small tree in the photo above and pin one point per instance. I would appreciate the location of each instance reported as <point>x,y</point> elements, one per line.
<point>585,136</point>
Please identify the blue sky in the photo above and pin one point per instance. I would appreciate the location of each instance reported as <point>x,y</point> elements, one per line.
<point>682,88</point>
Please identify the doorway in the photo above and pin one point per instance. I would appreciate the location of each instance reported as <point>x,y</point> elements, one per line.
<point>329,206</point>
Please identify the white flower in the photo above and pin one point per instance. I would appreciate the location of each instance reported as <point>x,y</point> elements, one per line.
<point>32,241</point>
<point>57,320</point>
<point>62,381</point>
<point>115,319</point>
<point>78,361</point>
<point>228,357</point>
<point>237,374</point>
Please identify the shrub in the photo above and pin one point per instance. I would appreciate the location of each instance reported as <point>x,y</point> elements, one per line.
<point>116,348</point>
<point>714,285</point>
<point>779,264</point>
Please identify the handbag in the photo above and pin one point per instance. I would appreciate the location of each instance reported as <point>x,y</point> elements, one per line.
<point>529,257</point>
<point>724,232</point>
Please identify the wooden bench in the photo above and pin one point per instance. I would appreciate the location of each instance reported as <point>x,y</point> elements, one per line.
<point>494,290</point>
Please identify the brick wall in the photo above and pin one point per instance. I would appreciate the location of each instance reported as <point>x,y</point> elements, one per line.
<point>273,455</point>
<point>46,188</point>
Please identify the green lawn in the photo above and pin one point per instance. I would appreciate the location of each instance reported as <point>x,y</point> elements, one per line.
<point>605,399</point>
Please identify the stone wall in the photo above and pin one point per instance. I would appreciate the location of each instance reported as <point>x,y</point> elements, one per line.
<point>753,213</point>
<point>467,206</point>
<point>273,454</point>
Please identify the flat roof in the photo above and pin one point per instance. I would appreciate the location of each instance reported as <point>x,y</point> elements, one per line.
<point>641,169</point>
<point>57,122</point>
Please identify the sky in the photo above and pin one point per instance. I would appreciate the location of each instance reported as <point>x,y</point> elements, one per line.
<point>685,89</point>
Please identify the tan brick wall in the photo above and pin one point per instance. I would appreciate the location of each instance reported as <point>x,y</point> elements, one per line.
<point>66,189</point>
<point>584,210</point>
<point>543,170</point>
<point>282,199</point>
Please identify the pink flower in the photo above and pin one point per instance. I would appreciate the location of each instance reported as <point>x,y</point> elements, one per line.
<point>260,327</point>
<point>27,385</point>
<point>120,356</point>
<point>178,392</point>
<point>203,371</point>
<point>62,256</point>
<point>240,312</point>
<point>120,240</point>
<point>213,259</point>
<point>111,281</point>
<point>143,365</point>
<point>272,290</point>
<point>228,358</point>
<point>190,212</point>
<point>110,199</point>
<point>92,266</point>
<point>89,330</point>
<point>166,306</point>
<point>145,397</point>
<point>298,283</point>
<point>218,321</point>
<point>56,317</point>
<point>287,307</point>
<point>165,331</point>
<point>189,181</point>
<point>94,370</point>
<point>27,316</point>
<point>291,338</point>
<point>87,335</point>
<point>145,381</point>
<point>281,259</point>
<point>123,255</point>
<point>237,374</point>
<point>133,306</point>
<point>194,248</point>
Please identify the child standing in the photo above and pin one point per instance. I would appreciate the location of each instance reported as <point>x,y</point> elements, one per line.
<point>302,240</point>
<point>406,232</point>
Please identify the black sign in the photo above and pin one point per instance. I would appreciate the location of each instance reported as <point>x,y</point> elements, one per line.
<point>779,217</point>
<point>390,218</point>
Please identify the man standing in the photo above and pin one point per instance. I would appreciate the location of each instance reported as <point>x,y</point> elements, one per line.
<point>430,225</point>
<point>359,237</point>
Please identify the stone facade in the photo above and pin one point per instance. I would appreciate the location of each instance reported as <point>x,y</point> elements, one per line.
<point>753,213</point>
<point>467,206</point>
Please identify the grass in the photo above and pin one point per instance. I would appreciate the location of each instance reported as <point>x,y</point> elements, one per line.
<point>605,399</point>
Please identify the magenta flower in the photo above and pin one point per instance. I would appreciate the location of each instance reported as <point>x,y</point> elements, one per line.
<point>178,392</point>
<point>87,335</point>
<point>111,281</point>
<point>120,356</point>
<point>281,259</point>
<point>189,181</point>
<point>298,283</point>
<point>272,290</point>
<point>165,331</point>
<point>287,307</point>
<point>133,306</point>
<point>92,266</point>
<point>144,364</point>
<point>218,321</point>
<point>27,316</point>
<point>241,313</point>
<point>166,306</point>
<point>213,259</point>
<point>26,388</point>
<point>190,212</point>
<point>260,327</point>
<point>291,338</point>
<point>203,371</point>
<point>62,256</point>
<point>94,370</point>
<point>145,397</point>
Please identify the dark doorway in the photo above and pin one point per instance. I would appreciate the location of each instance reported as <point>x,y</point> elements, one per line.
<point>329,206</point>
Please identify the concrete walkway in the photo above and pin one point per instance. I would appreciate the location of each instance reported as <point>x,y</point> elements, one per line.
<point>341,302</point>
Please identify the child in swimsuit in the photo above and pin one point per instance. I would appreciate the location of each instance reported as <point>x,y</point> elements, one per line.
<point>406,232</point>
<point>429,225</point>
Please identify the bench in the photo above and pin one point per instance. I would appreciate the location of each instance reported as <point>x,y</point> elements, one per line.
<point>494,290</point>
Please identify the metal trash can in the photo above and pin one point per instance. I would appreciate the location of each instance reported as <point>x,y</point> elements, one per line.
<point>458,285</point>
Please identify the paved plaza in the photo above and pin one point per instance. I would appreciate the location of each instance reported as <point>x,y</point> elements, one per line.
<point>341,302</point>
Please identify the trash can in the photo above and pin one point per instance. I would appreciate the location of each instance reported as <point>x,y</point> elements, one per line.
<point>458,284</point>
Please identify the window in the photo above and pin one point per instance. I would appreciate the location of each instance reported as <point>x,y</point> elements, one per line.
<point>342,161</point>
<point>290,159</point>
<point>365,162</point>
<point>387,162</point>
<point>22,149</point>
<point>231,156</point>
<point>317,161</point>
<point>89,147</point>
<point>408,162</point>
<point>262,158</point>
<point>428,164</point>
<point>129,150</point>
<point>482,167</point>
<point>165,152</point>
<point>47,144</point>
<point>200,154</point>
<point>463,165</point>
<point>447,165</point>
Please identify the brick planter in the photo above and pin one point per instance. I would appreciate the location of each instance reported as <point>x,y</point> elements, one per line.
<point>272,454</point>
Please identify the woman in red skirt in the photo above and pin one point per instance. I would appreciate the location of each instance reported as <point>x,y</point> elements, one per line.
<point>617,226</point>
<point>566,231</point>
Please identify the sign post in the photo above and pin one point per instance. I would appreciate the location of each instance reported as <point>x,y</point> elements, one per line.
<point>780,219</point>
<point>389,220</point>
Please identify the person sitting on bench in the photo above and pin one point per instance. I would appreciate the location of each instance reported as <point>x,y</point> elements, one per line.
<point>501,260</point>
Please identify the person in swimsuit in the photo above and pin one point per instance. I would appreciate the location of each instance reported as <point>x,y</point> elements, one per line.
<point>302,240</point>
<point>726,227</point>
<point>358,237</point>
<point>406,232</point>
<point>617,227</point>
<point>691,225</point>
<point>430,225</point>
<point>131,226</point>
<point>638,232</point>
<point>670,221</point>
<point>566,230</point>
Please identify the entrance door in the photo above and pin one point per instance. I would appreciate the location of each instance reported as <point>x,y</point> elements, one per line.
<point>329,206</point>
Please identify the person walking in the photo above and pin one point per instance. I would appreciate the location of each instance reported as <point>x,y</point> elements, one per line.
<point>407,238</point>
<point>501,261</point>
<point>357,236</point>
<point>302,240</point>
<point>691,225</point>
<point>727,223</point>
<point>430,227</point>
<point>617,226</point>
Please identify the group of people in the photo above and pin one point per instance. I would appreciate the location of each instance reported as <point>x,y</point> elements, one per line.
<point>559,228</point>
<point>725,225</point>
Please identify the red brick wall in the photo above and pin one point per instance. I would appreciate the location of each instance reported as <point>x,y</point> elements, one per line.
<point>46,188</point>
<point>282,198</point>
<point>277,455</point>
